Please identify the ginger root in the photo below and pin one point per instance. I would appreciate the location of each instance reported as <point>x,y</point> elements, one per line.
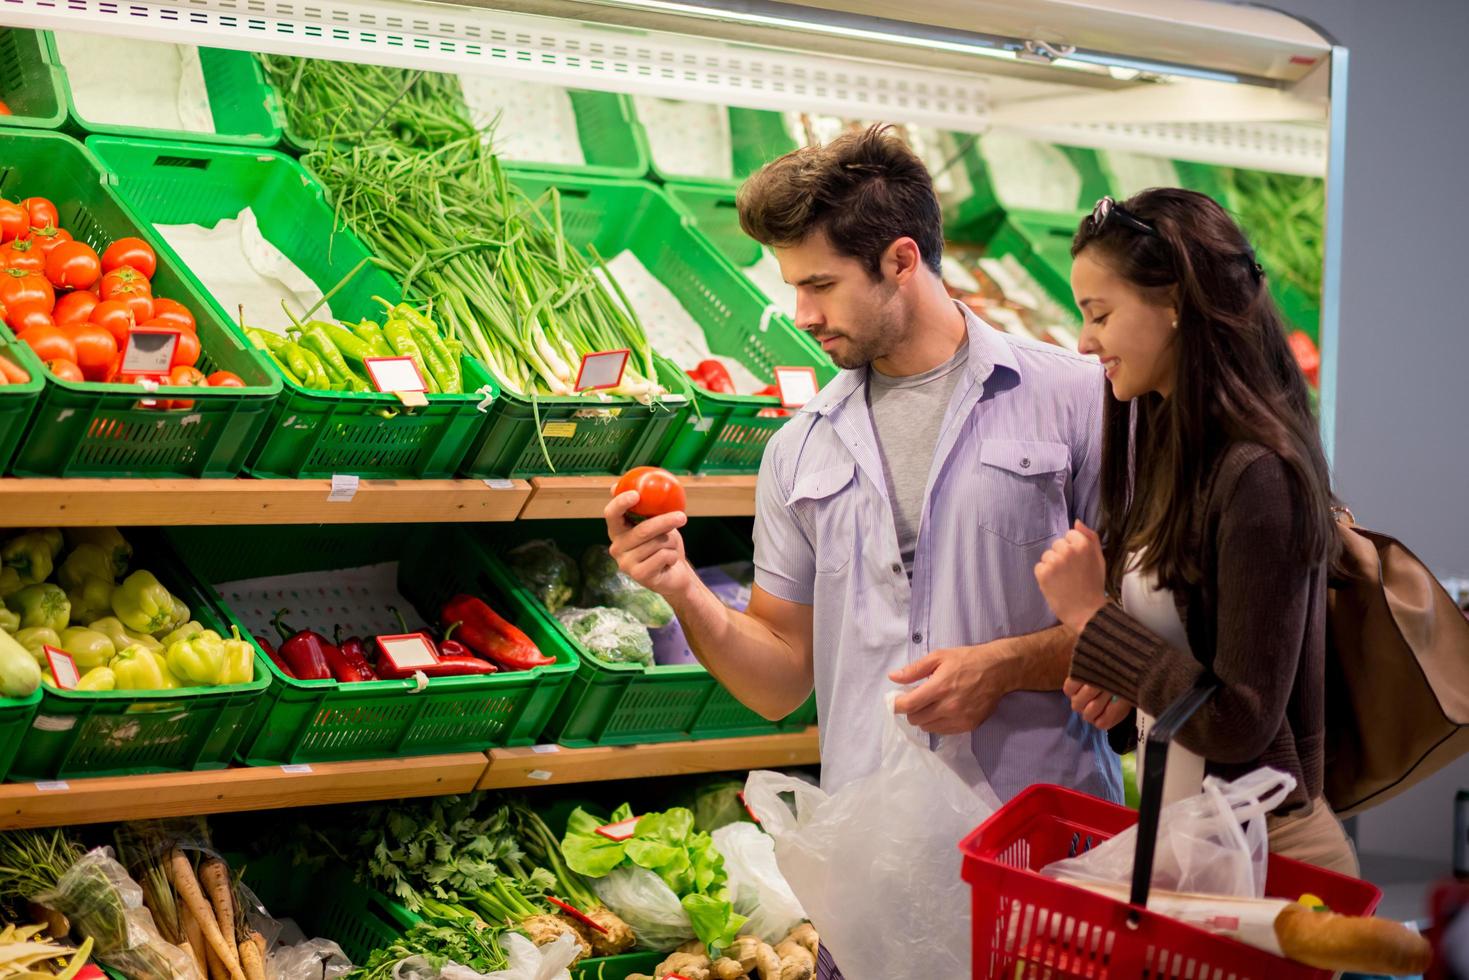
<point>690,966</point>
<point>796,961</point>
<point>618,938</point>
<point>546,929</point>
<point>804,935</point>
<point>725,968</point>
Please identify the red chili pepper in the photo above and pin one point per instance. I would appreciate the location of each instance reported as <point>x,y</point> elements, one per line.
<point>305,651</point>
<point>275,657</point>
<point>696,375</point>
<point>446,667</point>
<point>769,391</point>
<point>453,648</point>
<point>716,377</point>
<point>350,664</point>
<point>485,633</point>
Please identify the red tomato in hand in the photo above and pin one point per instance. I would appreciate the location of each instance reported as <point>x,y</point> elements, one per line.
<point>65,370</point>
<point>19,288</point>
<point>225,379</point>
<point>50,344</point>
<point>75,307</point>
<point>116,317</point>
<point>24,255</point>
<point>46,239</point>
<point>96,349</point>
<point>41,213</point>
<point>72,265</point>
<point>659,492</point>
<point>173,313</point>
<point>24,318</point>
<point>14,222</point>
<point>133,253</point>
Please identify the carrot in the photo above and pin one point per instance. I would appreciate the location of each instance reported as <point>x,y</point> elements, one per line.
<point>251,960</point>
<point>187,886</point>
<point>14,373</point>
<point>259,942</point>
<point>214,875</point>
<point>217,970</point>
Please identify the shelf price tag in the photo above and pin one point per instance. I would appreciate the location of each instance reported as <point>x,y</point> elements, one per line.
<point>741,797</point>
<point>602,369</point>
<point>408,651</point>
<point>399,376</point>
<point>63,668</point>
<point>619,831</point>
<point>149,351</point>
<point>797,385</point>
<point>577,914</point>
<point>344,487</point>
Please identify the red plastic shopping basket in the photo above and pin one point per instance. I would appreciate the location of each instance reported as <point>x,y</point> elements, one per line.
<point>1028,927</point>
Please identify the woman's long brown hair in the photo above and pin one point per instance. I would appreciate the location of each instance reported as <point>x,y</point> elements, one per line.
<point>1237,381</point>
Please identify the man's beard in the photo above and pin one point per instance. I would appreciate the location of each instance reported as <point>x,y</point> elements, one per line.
<point>882,338</point>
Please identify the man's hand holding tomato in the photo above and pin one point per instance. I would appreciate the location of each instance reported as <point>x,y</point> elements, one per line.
<point>643,521</point>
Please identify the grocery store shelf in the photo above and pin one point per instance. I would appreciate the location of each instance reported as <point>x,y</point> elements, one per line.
<point>586,496</point>
<point>78,801</point>
<point>84,502</point>
<point>551,765</point>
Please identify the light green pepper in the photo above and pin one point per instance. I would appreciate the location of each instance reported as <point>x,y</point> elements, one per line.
<point>89,648</point>
<point>176,619</point>
<point>143,604</point>
<point>187,631</point>
<point>138,669</point>
<point>41,606</point>
<point>121,636</point>
<point>31,557</point>
<point>54,539</point>
<point>10,582</point>
<point>371,334</point>
<point>98,679</point>
<point>35,639</point>
<point>9,620</point>
<point>87,561</point>
<point>199,660</point>
<point>91,600</point>
<point>239,659</point>
<point>109,539</point>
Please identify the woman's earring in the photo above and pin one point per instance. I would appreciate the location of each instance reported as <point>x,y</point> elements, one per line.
<point>1175,324</point>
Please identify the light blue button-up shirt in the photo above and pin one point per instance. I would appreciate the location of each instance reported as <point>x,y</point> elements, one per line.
<point>1017,460</point>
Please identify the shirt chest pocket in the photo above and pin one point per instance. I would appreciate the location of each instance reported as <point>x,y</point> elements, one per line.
<point>1022,489</point>
<point>828,502</point>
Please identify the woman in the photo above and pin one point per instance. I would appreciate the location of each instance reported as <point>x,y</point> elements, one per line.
<point>1216,523</point>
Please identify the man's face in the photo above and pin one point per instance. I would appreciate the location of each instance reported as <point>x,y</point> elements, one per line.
<point>855,319</point>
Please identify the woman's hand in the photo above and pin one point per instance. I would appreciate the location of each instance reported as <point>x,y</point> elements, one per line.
<point>1073,577</point>
<point>1096,706</point>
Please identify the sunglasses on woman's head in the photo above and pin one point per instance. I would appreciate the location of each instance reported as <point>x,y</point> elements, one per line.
<point>1107,209</point>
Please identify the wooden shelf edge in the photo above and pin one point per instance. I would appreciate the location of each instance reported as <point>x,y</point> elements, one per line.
<point>585,496</point>
<point>109,798</point>
<point>557,765</point>
<point>82,502</point>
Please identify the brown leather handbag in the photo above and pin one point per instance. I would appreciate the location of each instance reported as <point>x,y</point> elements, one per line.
<point>1397,672</point>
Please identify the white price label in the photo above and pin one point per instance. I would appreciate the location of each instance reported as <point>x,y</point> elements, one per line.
<point>601,370</point>
<point>540,775</point>
<point>500,484</point>
<point>299,768</point>
<point>344,487</point>
<point>55,786</point>
<point>395,374</point>
<point>544,749</point>
<point>149,351</point>
<point>797,385</point>
<point>408,651</point>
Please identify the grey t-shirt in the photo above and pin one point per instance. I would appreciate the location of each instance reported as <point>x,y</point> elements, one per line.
<point>907,414</point>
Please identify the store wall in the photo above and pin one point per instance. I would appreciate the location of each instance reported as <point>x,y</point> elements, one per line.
<point>1402,419</point>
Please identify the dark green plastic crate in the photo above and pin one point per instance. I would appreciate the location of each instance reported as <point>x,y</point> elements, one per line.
<point>311,433</point>
<point>585,435</point>
<point>17,401</point>
<point>86,429</point>
<point>29,83</point>
<point>240,102</point>
<point>625,704</point>
<point>16,715</point>
<point>975,218</point>
<point>1041,242</point>
<point>322,720</point>
<point>120,733</point>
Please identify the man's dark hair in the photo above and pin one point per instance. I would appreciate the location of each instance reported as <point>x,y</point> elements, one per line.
<point>864,190</point>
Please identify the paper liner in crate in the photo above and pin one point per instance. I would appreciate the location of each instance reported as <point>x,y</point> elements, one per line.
<point>360,599</point>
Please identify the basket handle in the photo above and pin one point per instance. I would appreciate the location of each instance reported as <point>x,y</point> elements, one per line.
<point>1155,765</point>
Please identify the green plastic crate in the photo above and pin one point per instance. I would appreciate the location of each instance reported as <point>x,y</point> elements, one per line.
<point>239,100</point>
<point>1041,242</point>
<point>757,136</point>
<point>16,715</point>
<point>17,401</point>
<point>30,84</point>
<point>586,435</point>
<point>625,704</point>
<point>323,721</point>
<point>975,218</point>
<point>86,429</point>
<point>310,433</point>
<point>118,733</point>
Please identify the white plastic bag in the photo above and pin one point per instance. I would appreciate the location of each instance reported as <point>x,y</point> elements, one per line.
<point>527,962</point>
<point>760,891</point>
<point>645,902</point>
<point>876,864</point>
<point>1214,843</point>
<point>313,959</point>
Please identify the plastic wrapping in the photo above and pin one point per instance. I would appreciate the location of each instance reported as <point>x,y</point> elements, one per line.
<point>550,574</point>
<point>760,891</point>
<point>642,900</point>
<point>876,864</point>
<point>612,634</point>
<point>527,962</point>
<point>1214,843</point>
<point>717,804</point>
<point>315,959</point>
<point>603,584</point>
<point>105,904</point>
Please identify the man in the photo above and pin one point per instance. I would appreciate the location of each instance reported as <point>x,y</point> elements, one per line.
<point>899,515</point>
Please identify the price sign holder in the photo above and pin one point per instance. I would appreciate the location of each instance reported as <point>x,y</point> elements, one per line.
<point>63,668</point>
<point>408,651</point>
<point>577,914</point>
<point>602,369</point>
<point>148,352</point>
<point>619,831</point>
<point>398,376</point>
<point>797,385</point>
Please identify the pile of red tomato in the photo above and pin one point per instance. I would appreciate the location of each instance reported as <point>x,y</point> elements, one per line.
<point>714,377</point>
<point>75,309</point>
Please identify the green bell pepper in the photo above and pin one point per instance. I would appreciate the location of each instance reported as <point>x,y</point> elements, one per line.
<point>171,681</point>
<point>198,660</point>
<point>121,636</point>
<point>9,620</point>
<point>41,605</point>
<point>144,605</point>
<point>110,540</point>
<point>91,600</point>
<point>89,648</point>
<point>239,659</point>
<point>37,637</point>
<point>31,557</point>
<point>138,669</point>
<point>10,581</point>
<point>87,561</point>
<point>187,631</point>
<point>98,679</point>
